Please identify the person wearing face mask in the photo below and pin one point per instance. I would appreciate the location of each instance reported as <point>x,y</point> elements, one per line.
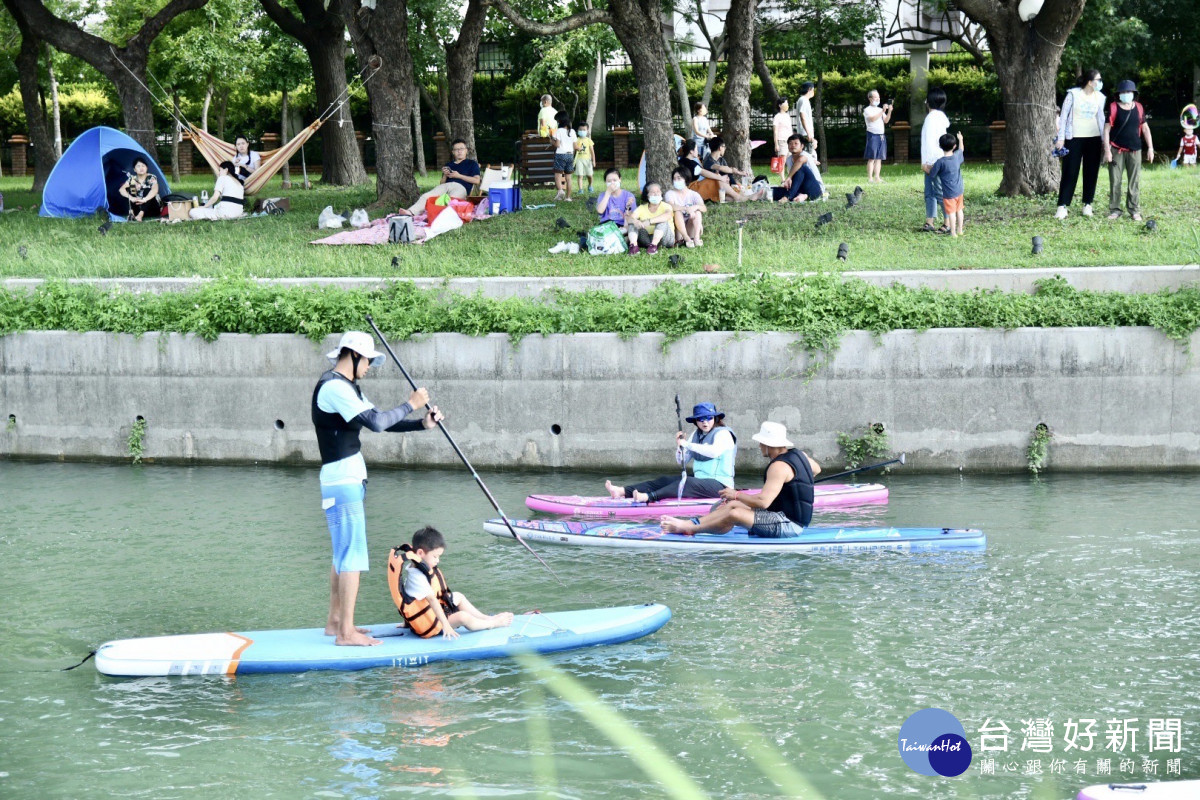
<point>689,209</point>
<point>652,224</point>
<point>615,203</point>
<point>585,157</point>
<point>1124,130</point>
<point>1081,127</point>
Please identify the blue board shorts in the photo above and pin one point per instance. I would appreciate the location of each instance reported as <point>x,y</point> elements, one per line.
<point>343,504</point>
<point>564,162</point>
<point>773,525</point>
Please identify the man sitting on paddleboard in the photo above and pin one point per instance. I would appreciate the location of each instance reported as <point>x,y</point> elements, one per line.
<point>711,450</point>
<point>339,412</point>
<point>781,509</point>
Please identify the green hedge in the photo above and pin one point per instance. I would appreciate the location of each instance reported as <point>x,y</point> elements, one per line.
<point>818,309</point>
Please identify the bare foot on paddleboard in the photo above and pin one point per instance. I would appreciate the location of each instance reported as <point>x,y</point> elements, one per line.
<point>615,492</point>
<point>640,497</point>
<point>677,525</point>
<point>358,639</point>
<point>503,619</point>
<point>332,629</point>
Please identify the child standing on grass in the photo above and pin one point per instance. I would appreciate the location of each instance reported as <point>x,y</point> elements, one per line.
<point>948,170</point>
<point>564,156</point>
<point>1188,146</point>
<point>547,122</point>
<point>585,157</point>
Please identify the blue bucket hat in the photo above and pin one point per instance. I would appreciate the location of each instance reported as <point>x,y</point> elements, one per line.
<point>705,410</point>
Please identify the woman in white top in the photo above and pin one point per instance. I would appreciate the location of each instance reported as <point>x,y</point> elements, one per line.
<point>227,197</point>
<point>1080,125</point>
<point>564,156</point>
<point>936,123</point>
<point>701,130</point>
<point>876,117</point>
<point>245,161</point>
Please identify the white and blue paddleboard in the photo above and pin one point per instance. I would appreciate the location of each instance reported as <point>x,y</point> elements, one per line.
<point>1143,790</point>
<point>306,649</point>
<point>813,540</point>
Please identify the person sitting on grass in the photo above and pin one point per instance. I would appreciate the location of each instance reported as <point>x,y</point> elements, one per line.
<point>652,224</point>
<point>800,181</point>
<point>711,450</point>
<point>227,200</point>
<point>948,170</point>
<point>615,203</point>
<point>689,209</point>
<point>730,187</point>
<point>459,176</point>
<point>424,599</point>
<point>784,506</point>
<point>141,190</point>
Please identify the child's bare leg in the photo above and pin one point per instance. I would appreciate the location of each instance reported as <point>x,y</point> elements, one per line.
<point>471,618</point>
<point>697,225</point>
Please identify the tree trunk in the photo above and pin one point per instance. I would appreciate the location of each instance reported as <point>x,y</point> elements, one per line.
<point>1026,56</point>
<point>710,80</point>
<point>461,58</point>
<point>739,32</point>
<point>638,26</point>
<point>124,66</point>
<point>383,33</point>
<point>321,32</point>
<point>208,95</point>
<point>1027,87</point>
<point>55,108</point>
<point>763,71</point>
<point>418,136</point>
<point>176,135</point>
<point>819,122</point>
<point>223,114</point>
<point>39,134</point>
<point>685,105</point>
<point>594,95</point>
<point>439,113</point>
<point>286,172</point>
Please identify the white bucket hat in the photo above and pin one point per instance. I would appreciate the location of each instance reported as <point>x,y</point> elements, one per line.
<point>772,434</point>
<point>359,342</point>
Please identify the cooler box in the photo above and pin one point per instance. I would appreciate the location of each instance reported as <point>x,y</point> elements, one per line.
<point>504,199</point>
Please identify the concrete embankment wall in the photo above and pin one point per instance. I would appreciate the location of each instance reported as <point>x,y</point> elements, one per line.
<point>952,398</point>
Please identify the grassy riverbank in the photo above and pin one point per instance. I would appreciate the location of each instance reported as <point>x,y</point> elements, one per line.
<point>818,309</point>
<point>881,232</point>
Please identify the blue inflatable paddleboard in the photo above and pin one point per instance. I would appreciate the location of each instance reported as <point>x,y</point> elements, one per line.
<point>306,649</point>
<point>813,540</point>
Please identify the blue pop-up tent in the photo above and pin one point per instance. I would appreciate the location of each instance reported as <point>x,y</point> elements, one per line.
<point>90,173</point>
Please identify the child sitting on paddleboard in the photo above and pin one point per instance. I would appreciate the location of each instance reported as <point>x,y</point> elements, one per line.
<point>711,450</point>
<point>420,592</point>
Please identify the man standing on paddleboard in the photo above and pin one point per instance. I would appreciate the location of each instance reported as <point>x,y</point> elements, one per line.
<point>339,412</point>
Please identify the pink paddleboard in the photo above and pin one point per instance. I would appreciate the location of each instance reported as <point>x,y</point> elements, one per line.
<point>1143,790</point>
<point>827,496</point>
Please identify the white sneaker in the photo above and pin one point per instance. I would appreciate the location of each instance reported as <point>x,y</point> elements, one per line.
<point>1087,210</point>
<point>561,247</point>
<point>561,194</point>
<point>572,248</point>
<point>1061,213</point>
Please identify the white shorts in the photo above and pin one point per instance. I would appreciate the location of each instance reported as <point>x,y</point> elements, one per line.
<point>1189,161</point>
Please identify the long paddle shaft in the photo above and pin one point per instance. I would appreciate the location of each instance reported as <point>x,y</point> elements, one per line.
<point>899,461</point>
<point>683,462</point>
<point>462,455</point>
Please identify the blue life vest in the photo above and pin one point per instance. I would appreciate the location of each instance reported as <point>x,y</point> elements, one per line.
<point>718,468</point>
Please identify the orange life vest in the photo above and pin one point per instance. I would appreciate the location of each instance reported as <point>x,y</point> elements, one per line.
<point>417,612</point>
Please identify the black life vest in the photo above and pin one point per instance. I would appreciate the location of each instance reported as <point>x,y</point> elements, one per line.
<point>336,438</point>
<point>417,612</point>
<point>795,499</point>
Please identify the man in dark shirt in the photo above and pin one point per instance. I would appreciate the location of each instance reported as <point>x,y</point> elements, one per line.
<point>1124,127</point>
<point>459,177</point>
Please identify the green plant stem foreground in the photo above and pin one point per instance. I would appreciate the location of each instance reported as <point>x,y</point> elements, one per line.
<point>882,232</point>
<point>818,309</point>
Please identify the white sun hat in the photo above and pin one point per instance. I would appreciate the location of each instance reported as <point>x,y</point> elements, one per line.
<point>359,342</point>
<point>772,434</point>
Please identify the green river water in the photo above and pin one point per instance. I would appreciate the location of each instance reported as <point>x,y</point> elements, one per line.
<point>775,670</point>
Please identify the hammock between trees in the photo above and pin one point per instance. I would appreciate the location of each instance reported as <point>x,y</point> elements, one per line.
<point>270,161</point>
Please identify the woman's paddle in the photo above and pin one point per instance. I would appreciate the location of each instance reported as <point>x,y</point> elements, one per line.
<point>462,455</point>
<point>899,461</point>
<point>679,453</point>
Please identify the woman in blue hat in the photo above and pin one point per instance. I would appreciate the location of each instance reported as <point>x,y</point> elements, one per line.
<point>711,450</point>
